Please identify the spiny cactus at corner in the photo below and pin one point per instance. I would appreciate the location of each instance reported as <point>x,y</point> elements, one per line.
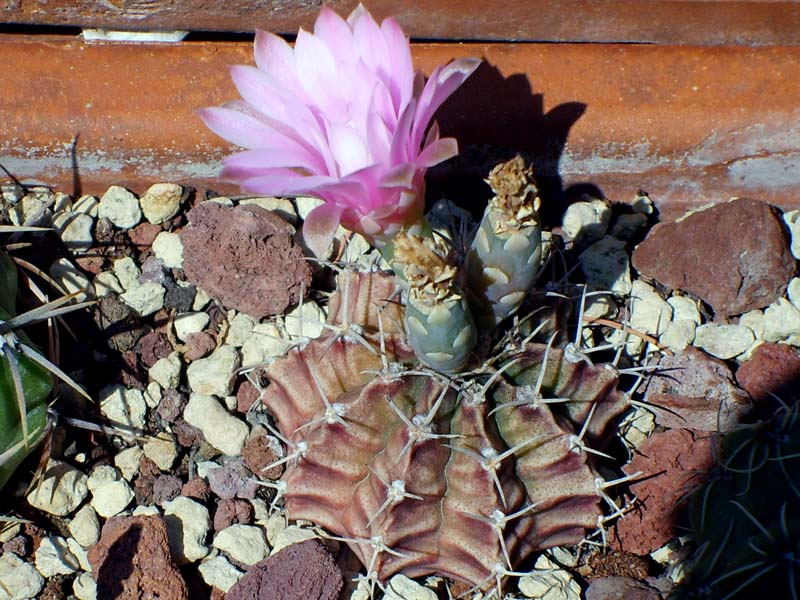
<point>425,473</point>
<point>746,517</point>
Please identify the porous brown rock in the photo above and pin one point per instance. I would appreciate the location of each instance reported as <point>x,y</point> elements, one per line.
<point>303,571</point>
<point>132,561</point>
<point>673,463</point>
<point>696,391</point>
<point>735,255</point>
<point>244,257</point>
<point>772,369</point>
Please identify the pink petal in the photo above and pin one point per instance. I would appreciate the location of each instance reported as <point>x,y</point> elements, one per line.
<point>402,68</point>
<point>316,68</point>
<point>275,56</point>
<point>438,88</point>
<point>400,150</point>
<point>285,182</point>
<point>239,128</point>
<point>401,176</point>
<point>336,33</point>
<point>438,151</point>
<point>253,162</point>
<point>371,44</point>
<point>320,226</point>
<point>348,148</point>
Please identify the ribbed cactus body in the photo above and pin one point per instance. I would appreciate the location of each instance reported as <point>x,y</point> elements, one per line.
<point>429,474</point>
<point>506,253</point>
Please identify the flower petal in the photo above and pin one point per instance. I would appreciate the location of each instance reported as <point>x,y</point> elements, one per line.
<point>320,226</point>
<point>254,162</point>
<point>275,56</point>
<point>240,128</point>
<point>337,35</point>
<point>439,151</point>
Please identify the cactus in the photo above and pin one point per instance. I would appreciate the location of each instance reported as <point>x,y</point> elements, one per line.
<point>422,472</point>
<point>746,517</point>
<point>26,377</point>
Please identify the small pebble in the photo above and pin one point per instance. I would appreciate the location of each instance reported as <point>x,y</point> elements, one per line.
<point>190,322</point>
<point>153,394</point>
<point>684,308</point>
<point>85,587</point>
<point>220,429</point>
<point>245,544</point>
<point>166,371</point>
<point>167,246</point>
<point>678,335</point>
<point>188,523</point>
<point>61,489</point>
<point>123,406</point>
<point>306,323</point>
<point>20,579</point>
<point>792,220</point>
<point>85,526</point>
<point>71,279</point>
<point>107,283</point>
<point>400,587</point>
<point>291,535</point>
<point>86,205</point>
<point>282,206</point>
<point>214,375</point>
<point>120,206</point>
<point>54,558</point>
<point>240,328</point>
<point>112,497</point>
<point>127,272</point>
<point>217,572</point>
<point>75,230</point>
<point>161,202</point>
<point>586,222</point>
<point>162,450</point>
<point>549,582</point>
<point>606,265</point>
<point>724,341</point>
<point>265,342</point>
<point>127,461</point>
<point>145,298</point>
<point>781,320</point>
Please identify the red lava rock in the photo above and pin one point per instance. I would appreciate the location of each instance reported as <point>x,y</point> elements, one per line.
<point>186,435</point>
<point>772,369</point>
<point>673,463</point>
<point>153,346</point>
<point>143,489</point>
<point>620,588</point>
<point>132,561</point>
<point>258,452</point>
<point>171,405</point>
<point>231,512</point>
<point>734,255</point>
<point>245,257</point>
<point>199,345</point>
<point>19,545</point>
<point>696,391</point>
<point>232,480</point>
<point>133,375</point>
<point>91,264</point>
<point>166,488</point>
<point>143,234</point>
<point>304,571</point>
<point>246,395</point>
<point>196,488</point>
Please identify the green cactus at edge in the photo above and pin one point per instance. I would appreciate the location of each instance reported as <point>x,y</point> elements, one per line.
<point>419,465</point>
<point>25,385</point>
<point>746,517</point>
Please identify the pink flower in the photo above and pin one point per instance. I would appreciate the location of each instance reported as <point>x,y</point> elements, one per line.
<point>342,116</point>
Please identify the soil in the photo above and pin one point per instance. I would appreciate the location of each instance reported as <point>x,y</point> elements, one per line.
<point>246,260</point>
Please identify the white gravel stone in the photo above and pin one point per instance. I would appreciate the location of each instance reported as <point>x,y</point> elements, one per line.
<point>152,394</point>
<point>724,341</point>
<point>201,299</point>
<point>166,371</point>
<point>273,523</point>
<point>643,204</point>
<point>245,544</point>
<point>145,298</point>
<point>20,580</point>
<point>793,292</point>
<point>167,246</point>
<point>586,222</point>
<point>781,320</point>
<point>106,283</point>
<point>305,323</point>
<point>127,272</point>
<point>33,210</point>
<point>102,475</point>
<point>650,313</point>
<point>61,202</point>
<point>162,450</point>
<point>62,489</point>
<point>146,511</point>
<point>684,308</point>
<point>74,229</point>
<point>792,219</point>
<point>112,498</point>
<point>85,587</point>
<point>291,535</point>
<point>127,461</point>
<point>400,587</point>
<point>606,265</point>
<point>80,553</point>
<point>281,206</point>
<point>264,343</point>
<point>71,279</point>
<point>549,582</point>
<point>85,526</point>
<point>190,322</point>
<point>217,572</point>
<point>240,328</point>
<point>220,428</point>
<point>678,335</point>
<point>213,375</point>
<point>161,202</point>
<point>188,523</point>
<point>626,225</point>
<point>120,206</point>
<point>123,406</point>
<point>306,204</point>
<point>53,557</point>
<point>755,320</point>
<point>204,466</point>
<point>86,205</point>
<point>636,427</point>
